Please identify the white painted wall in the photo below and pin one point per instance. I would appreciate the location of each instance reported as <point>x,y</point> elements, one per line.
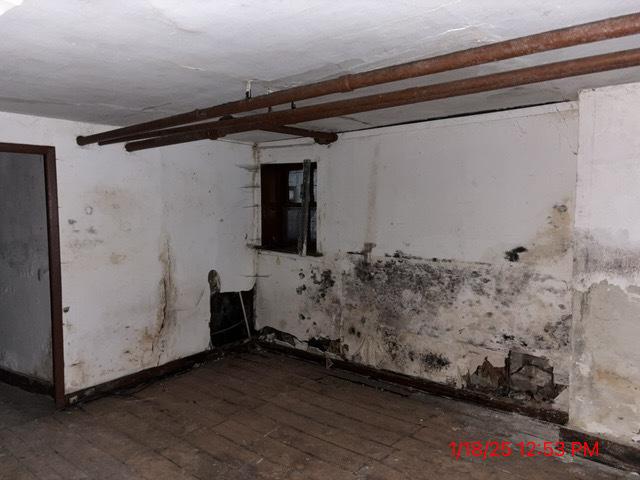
<point>139,234</point>
<point>25,309</point>
<point>460,190</point>
<point>605,381</point>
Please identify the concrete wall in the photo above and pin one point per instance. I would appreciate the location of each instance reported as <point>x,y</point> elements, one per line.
<point>605,381</point>
<point>25,309</point>
<point>414,225</point>
<point>139,235</point>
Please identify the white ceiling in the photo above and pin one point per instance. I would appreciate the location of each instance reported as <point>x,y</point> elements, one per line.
<point>125,61</point>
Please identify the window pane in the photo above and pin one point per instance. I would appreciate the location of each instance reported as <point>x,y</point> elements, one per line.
<point>295,186</point>
<point>312,225</point>
<point>293,222</point>
<point>314,176</point>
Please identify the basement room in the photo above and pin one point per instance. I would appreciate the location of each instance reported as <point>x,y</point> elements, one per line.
<point>318,240</point>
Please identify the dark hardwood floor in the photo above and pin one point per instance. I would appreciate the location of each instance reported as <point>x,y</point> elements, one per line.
<point>266,416</point>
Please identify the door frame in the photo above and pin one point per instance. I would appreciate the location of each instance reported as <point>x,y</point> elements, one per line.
<point>53,241</point>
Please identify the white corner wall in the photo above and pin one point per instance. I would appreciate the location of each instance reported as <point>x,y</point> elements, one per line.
<point>138,235</point>
<point>605,380</point>
<point>414,222</point>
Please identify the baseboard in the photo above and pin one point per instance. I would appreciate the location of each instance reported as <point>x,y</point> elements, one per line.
<point>393,378</point>
<point>143,376</point>
<point>610,453</point>
<point>25,382</point>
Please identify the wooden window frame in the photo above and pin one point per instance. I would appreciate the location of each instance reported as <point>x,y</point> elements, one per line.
<point>274,181</point>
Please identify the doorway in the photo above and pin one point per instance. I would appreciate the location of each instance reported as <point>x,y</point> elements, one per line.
<point>31,348</point>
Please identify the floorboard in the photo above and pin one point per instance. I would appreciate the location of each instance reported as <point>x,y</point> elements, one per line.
<point>267,416</point>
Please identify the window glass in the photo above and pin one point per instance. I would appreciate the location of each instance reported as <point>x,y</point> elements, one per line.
<point>312,227</point>
<point>295,186</point>
<point>293,224</point>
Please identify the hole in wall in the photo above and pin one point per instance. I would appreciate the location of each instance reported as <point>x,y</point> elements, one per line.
<point>227,324</point>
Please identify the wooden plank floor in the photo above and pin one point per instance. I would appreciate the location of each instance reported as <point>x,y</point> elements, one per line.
<point>266,416</point>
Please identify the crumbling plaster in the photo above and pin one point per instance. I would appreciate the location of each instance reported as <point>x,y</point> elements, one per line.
<point>139,234</point>
<point>416,226</point>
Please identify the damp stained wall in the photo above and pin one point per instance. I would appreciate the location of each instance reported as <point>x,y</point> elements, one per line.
<point>25,308</point>
<point>605,379</point>
<point>139,234</point>
<point>414,226</point>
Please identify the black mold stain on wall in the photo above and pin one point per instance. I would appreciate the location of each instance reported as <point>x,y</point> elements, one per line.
<point>434,361</point>
<point>513,255</point>
<point>393,313</point>
<point>323,281</point>
<point>395,290</point>
<point>594,257</point>
<point>319,281</point>
<point>318,287</point>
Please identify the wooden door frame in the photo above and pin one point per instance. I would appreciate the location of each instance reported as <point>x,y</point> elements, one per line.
<point>53,241</point>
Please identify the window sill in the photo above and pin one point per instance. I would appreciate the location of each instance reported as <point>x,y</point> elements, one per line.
<point>285,251</point>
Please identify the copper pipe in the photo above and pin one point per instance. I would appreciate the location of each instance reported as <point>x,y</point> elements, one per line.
<point>527,45</point>
<point>323,138</point>
<point>192,137</point>
<point>495,81</point>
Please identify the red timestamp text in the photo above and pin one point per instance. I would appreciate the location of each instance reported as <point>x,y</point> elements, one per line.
<point>496,449</point>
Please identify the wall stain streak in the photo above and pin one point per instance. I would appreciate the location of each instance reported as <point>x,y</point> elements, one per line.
<point>166,312</point>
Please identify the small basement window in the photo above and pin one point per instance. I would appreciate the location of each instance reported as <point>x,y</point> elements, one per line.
<point>288,200</point>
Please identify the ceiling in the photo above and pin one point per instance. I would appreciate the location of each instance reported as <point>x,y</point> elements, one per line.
<point>124,61</point>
